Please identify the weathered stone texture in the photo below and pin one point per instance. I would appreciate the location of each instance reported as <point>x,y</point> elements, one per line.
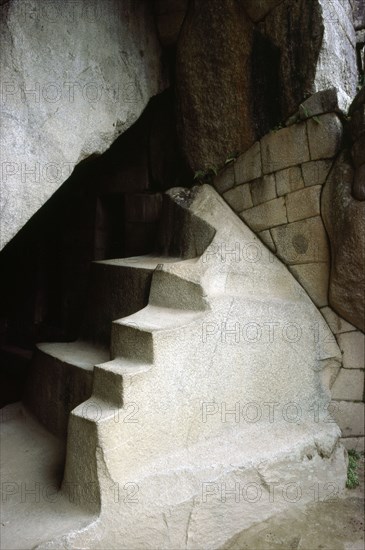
<point>357,443</point>
<point>358,188</point>
<point>316,172</point>
<point>239,198</point>
<point>357,122</point>
<point>349,385</point>
<point>359,14</point>
<point>358,151</point>
<point>266,237</point>
<point>248,165</point>
<point>324,135</point>
<point>288,180</point>
<point>304,203</point>
<point>349,416</point>
<point>344,218</point>
<point>169,18</point>
<point>335,322</point>
<point>214,98</point>
<point>258,10</point>
<point>225,179</point>
<point>266,215</point>
<point>352,346</point>
<point>302,242</point>
<point>236,81</point>
<point>284,148</point>
<point>314,279</point>
<point>263,189</point>
<point>76,75</point>
<point>336,65</point>
<point>303,20</point>
<point>319,103</point>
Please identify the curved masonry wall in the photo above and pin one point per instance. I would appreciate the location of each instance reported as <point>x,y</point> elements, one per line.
<point>275,187</point>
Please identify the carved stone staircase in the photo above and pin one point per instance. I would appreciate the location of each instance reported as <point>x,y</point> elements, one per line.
<point>210,390</point>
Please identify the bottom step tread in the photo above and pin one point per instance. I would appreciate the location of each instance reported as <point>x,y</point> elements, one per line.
<point>80,353</point>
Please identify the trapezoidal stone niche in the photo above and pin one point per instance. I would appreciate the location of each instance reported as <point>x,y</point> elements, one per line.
<point>216,385</point>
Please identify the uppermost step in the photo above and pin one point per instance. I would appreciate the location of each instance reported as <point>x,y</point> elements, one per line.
<point>181,233</point>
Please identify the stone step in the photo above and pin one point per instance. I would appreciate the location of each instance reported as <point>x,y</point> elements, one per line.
<point>62,378</point>
<point>110,377</point>
<point>32,462</point>
<point>175,290</point>
<point>181,233</point>
<point>117,288</point>
<point>132,337</point>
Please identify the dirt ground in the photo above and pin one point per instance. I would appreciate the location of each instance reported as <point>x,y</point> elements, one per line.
<point>334,525</point>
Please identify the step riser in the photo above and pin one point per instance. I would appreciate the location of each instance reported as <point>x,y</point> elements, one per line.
<point>55,388</point>
<point>168,290</point>
<point>181,233</point>
<point>115,292</point>
<point>131,343</point>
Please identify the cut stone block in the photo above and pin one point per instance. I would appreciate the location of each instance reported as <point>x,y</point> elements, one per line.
<point>302,242</point>
<point>304,203</point>
<point>352,346</point>
<point>266,237</point>
<point>314,279</point>
<point>288,180</point>
<point>330,372</point>
<point>349,416</point>
<point>239,198</point>
<point>356,443</point>
<point>263,189</point>
<point>335,322</point>
<point>316,172</point>
<point>248,165</point>
<point>224,180</point>
<point>349,385</point>
<point>325,101</point>
<point>265,216</point>
<point>284,148</point>
<point>325,136</point>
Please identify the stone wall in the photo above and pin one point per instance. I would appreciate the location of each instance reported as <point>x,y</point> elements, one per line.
<point>276,188</point>
<point>286,50</point>
<point>74,76</point>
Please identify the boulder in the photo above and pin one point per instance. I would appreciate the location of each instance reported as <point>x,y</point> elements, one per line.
<point>337,65</point>
<point>344,219</point>
<point>258,10</point>
<point>243,67</point>
<point>214,92</point>
<point>297,29</point>
<point>74,77</point>
<point>169,16</point>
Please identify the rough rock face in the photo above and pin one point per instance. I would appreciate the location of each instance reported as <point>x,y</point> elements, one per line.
<point>357,129</point>
<point>359,14</point>
<point>296,28</point>
<point>337,65</point>
<point>169,16</point>
<point>213,88</point>
<point>236,80</point>
<point>344,218</point>
<point>73,79</point>
<point>317,43</point>
<point>258,10</point>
